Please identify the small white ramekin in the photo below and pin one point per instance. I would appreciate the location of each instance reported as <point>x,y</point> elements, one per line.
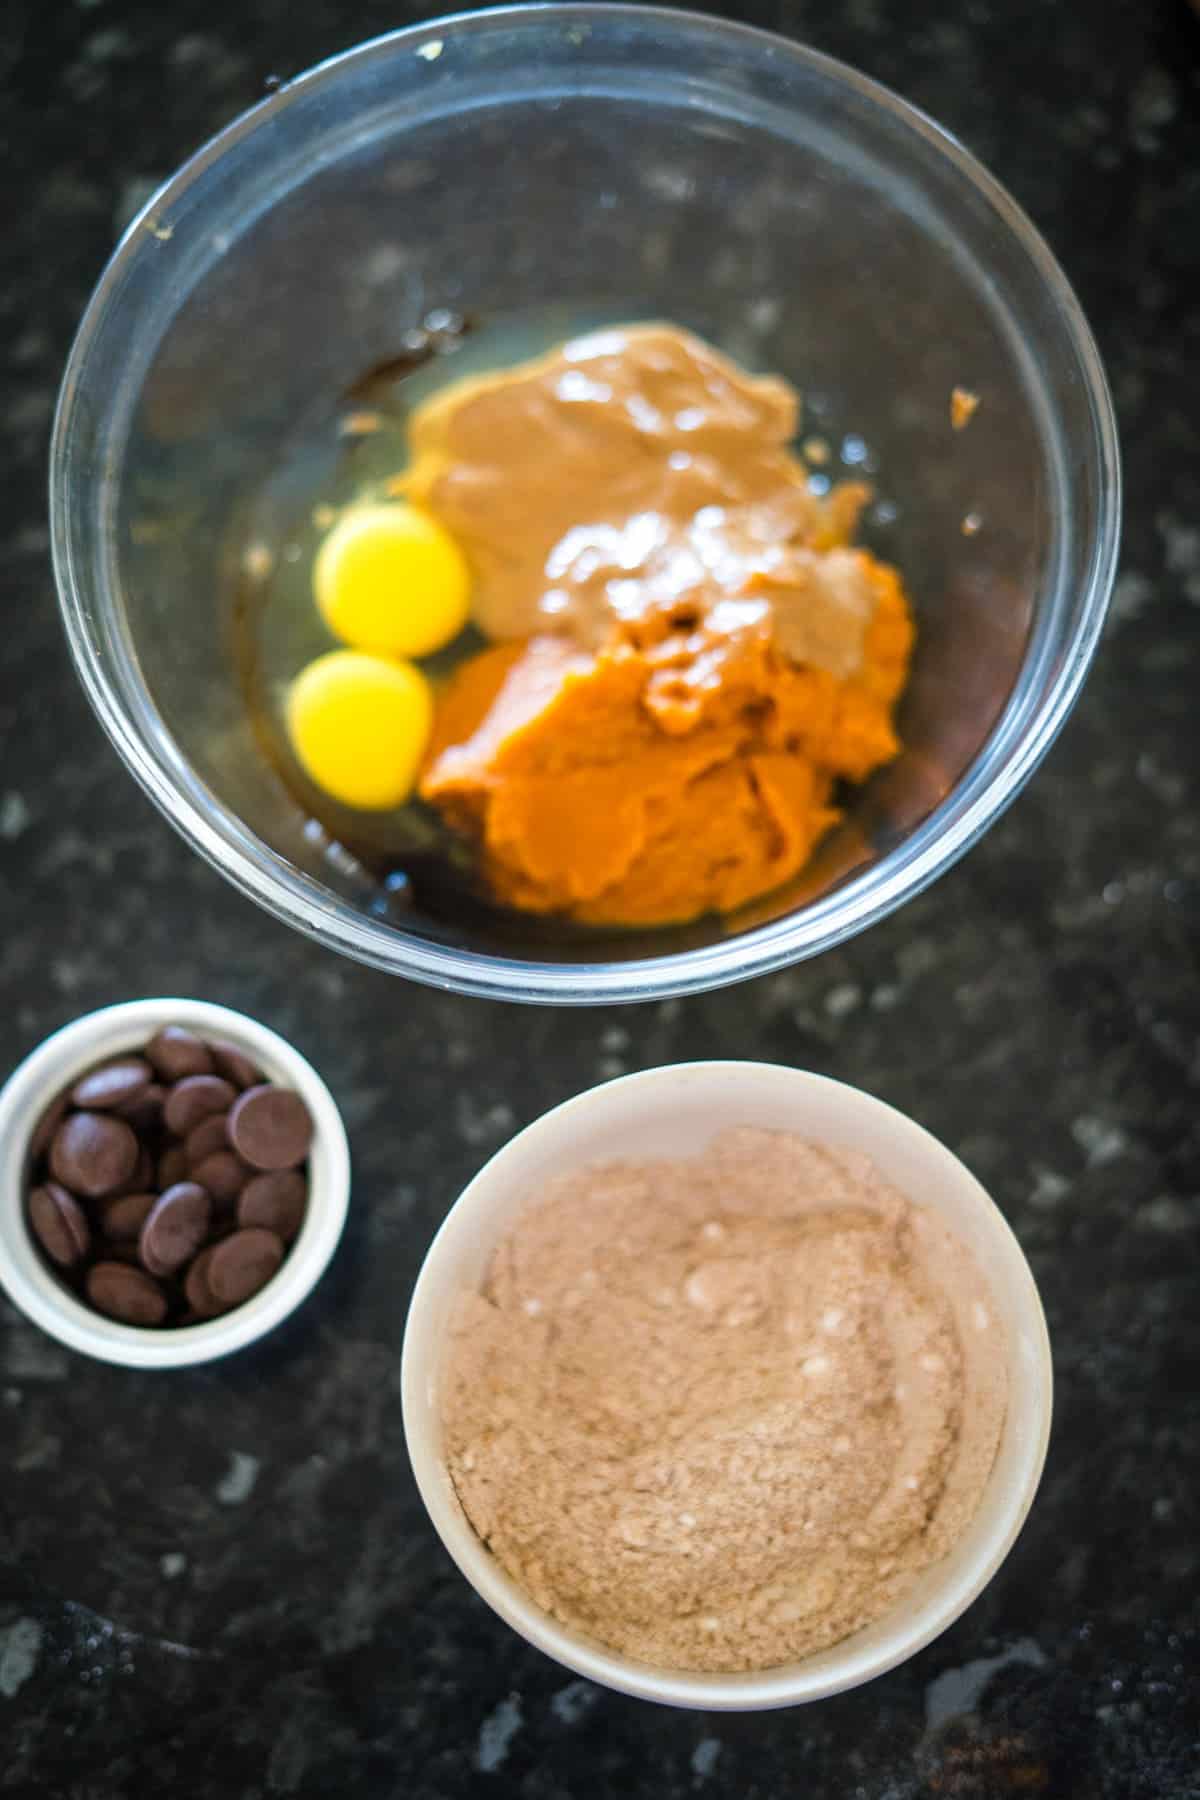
<point>674,1112</point>
<point>59,1061</point>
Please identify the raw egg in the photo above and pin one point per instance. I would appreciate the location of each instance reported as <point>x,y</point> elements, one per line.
<point>359,726</point>
<point>388,578</point>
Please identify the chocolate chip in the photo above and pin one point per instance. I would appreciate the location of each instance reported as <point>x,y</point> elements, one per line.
<point>113,1086</point>
<point>59,1224</point>
<point>93,1153</point>
<point>148,1173</point>
<point>172,1166</point>
<point>204,1138</point>
<point>124,1217</point>
<point>126,1294</point>
<point>233,1063</point>
<point>194,1098</point>
<point>241,1265</point>
<point>46,1127</point>
<point>176,1052</point>
<point>223,1174</point>
<point>270,1127</point>
<point>145,1113</point>
<point>175,1228</point>
<point>276,1201</point>
<point>196,1290</point>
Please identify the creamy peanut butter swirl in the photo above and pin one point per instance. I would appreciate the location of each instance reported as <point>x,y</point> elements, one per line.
<point>634,473</point>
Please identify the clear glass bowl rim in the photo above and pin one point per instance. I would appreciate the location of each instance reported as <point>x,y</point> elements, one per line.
<point>1012,753</point>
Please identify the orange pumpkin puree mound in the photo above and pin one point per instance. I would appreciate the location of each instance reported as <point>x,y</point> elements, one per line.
<point>689,655</point>
<point>597,790</point>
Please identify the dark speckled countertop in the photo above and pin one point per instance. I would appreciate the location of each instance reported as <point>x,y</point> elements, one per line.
<point>222,1584</point>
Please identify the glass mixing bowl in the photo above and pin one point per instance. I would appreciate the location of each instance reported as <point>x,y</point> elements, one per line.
<point>601,158</point>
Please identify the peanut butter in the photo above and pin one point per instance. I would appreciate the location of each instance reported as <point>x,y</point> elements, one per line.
<point>634,472</point>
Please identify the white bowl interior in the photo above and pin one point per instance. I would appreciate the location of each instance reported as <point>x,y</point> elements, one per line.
<point>59,1061</point>
<point>674,1112</point>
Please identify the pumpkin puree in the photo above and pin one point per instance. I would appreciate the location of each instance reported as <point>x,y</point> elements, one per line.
<point>689,656</point>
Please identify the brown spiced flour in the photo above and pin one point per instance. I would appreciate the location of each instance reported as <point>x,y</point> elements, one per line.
<point>719,1413</point>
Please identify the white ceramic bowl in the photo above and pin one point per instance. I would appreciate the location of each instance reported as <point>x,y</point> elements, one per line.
<point>673,1112</point>
<point>60,1060</point>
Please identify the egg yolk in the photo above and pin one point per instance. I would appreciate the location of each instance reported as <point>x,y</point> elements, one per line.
<point>359,726</point>
<point>388,578</point>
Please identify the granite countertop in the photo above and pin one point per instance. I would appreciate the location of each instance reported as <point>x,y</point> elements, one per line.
<point>223,1583</point>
